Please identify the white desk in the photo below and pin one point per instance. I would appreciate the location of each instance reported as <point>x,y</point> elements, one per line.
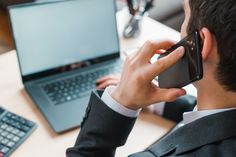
<point>44,142</point>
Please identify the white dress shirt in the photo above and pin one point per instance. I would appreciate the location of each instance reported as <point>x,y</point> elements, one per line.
<point>188,117</point>
<point>115,106</point>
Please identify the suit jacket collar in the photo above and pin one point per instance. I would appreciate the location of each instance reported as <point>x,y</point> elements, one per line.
<point>207,130</point>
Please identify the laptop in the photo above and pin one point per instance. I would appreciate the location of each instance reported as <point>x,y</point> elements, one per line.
<point>62,48</point>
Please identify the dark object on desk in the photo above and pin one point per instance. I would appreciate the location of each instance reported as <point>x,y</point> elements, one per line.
<point>137,9</point>
<point>14,130</point>
<point>189,68</point>
<point>132,29</point>
<point>59,68</point>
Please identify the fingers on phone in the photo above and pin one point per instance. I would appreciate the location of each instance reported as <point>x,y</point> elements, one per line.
<point>170,95</point>
<point>151,47</point>
<point>166,62</point>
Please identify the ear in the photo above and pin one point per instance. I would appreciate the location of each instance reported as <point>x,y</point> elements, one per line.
<point>208,44</point>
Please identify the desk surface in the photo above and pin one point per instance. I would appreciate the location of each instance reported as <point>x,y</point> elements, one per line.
<point>45,142</point>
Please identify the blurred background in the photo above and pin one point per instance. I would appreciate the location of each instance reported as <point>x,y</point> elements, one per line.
<point>168,12</point>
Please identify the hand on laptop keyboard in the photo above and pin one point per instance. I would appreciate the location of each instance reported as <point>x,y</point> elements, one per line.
<point>108,80</point>
<point>71,88</point>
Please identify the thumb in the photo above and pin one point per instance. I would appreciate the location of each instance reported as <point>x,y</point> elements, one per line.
<point>169,95</point>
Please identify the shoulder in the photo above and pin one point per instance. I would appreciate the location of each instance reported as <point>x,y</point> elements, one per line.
<point>225,147</point>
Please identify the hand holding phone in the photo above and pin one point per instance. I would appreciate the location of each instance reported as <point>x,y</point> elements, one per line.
<point>186,70</point>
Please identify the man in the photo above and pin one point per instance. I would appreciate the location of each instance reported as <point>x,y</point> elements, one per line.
<point>208,131</point>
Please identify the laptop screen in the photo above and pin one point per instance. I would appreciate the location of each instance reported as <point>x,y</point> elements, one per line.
<point>51,35</point>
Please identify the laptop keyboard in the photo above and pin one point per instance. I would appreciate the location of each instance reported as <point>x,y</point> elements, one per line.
<point>68,89</point>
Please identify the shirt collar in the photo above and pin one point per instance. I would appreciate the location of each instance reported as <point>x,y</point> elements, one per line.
<point>189,117</point>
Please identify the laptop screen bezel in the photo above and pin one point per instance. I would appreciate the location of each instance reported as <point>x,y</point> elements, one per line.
<point>66,68</point>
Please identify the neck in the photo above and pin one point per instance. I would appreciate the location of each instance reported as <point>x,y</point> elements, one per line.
<point>214,97</point>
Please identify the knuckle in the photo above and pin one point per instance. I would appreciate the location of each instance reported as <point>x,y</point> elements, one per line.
<point>129,59</point>
<point>130,64</point>
<point>109,82</point>
<point>170,98</point>
<point>110,77</point>
<point>150,43</point>
<point>147,43</point>
<point>161,65</point>
<point>140,78</point>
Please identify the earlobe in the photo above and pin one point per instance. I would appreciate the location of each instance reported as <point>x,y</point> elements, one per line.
<point>207,38</point>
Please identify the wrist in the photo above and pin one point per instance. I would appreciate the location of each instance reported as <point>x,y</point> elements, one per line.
<point>123,99</point>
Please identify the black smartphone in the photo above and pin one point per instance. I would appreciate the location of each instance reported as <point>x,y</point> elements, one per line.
<point>189,68</point>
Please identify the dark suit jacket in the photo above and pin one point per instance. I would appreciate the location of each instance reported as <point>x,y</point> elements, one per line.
<point>103,130</point>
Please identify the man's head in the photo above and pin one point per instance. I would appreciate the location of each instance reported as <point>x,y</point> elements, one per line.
<point>216,20</point>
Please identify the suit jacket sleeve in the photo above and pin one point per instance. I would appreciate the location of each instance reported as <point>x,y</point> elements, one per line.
<point>174,110</point>
<point>102,130</point>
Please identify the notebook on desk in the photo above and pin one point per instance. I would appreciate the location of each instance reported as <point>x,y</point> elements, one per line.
<point>62,48</point>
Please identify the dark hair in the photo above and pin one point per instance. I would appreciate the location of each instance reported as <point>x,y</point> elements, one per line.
<point>219,16</point>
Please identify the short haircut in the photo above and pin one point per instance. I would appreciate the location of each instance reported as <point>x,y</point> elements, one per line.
<point>219,16</point>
